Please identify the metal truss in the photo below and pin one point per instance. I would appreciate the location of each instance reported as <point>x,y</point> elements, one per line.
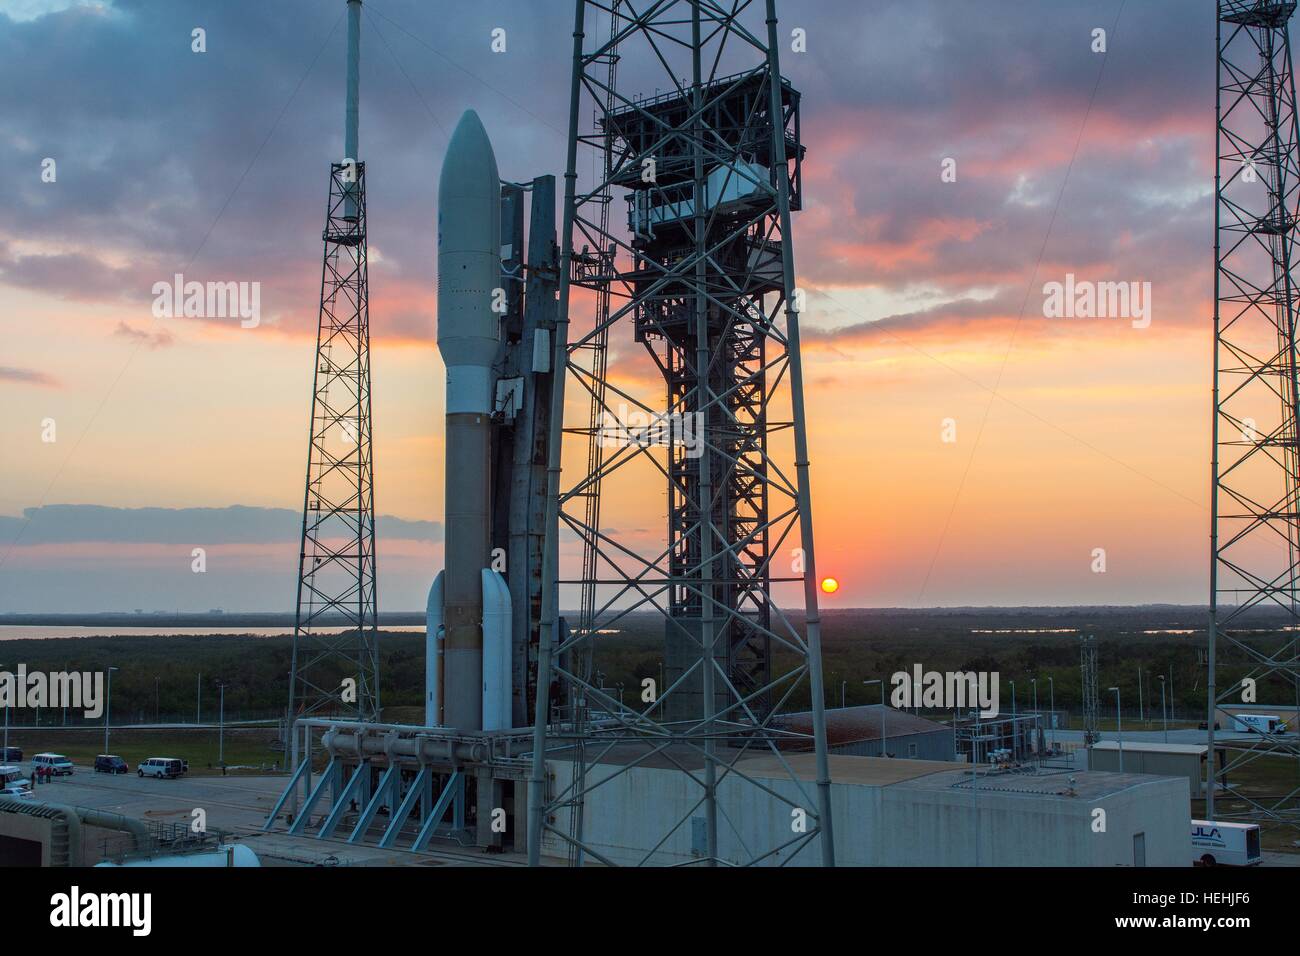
<point>700,272</point>
<point>335,638</point>
<point>1255,523</point>
<point>1088,670</point>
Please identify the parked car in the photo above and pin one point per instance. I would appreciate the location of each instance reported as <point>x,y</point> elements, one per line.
<point>110,763</point>
<point>16,793</point>
<point>166,767</point>
<point>11,754</point>
<point>57,764</point>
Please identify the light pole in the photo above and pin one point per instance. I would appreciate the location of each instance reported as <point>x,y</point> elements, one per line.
<point>108,706</point>
<point>157,709</point>
<point>1051,689</point>
<point>1142,716</point>
<point>7,703</point>
<point>1164,714</point>
<point>221,729</point>
<point>844,690</point>
<point>198,701</point>
<point>1013,701</point>
<point>868,683</point>
<point>1038,719</point>
<point>1119,729</point>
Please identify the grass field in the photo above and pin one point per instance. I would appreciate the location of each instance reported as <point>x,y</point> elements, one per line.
<point>242,747</point>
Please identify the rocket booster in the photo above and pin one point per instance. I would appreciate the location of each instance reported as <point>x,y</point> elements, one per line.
<point>469,270</point>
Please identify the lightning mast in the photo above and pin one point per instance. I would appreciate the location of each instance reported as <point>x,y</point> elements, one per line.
<point>1255,505</point>
<point>335,669</point>
<point>694,289</point>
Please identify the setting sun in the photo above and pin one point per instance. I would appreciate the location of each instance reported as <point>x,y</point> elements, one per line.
<point>830,585</point>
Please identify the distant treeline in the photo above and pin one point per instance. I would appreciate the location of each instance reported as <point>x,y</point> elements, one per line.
<point>160,675</point>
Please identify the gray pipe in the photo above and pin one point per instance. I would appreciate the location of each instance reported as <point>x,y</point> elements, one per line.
<point>423,748</point>
<point>351,119</point>
<point>77,817</point>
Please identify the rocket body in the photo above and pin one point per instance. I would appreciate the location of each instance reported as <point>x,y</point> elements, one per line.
<point>469,270</point>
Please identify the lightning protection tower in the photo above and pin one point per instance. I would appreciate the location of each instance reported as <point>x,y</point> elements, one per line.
<point>1255,514</point>
<point>1088,670</point>
<point>335,654</point>
<point>694,142</point>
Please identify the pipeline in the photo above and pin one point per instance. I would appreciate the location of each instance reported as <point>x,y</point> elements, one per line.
<point>73,819</point>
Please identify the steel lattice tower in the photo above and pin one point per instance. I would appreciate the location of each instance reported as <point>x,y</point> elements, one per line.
<point>1088,669</point>
<point>336,571</point>
<point>1255,523</point>
<point>697,277</point>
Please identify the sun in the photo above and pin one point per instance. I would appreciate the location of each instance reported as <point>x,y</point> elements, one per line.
<point>830,585</point>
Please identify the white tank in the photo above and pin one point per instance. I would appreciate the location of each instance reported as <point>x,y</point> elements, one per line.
<point>242,856</point>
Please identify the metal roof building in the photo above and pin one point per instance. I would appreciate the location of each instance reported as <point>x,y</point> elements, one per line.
<point>888,813</point>
<point>857,731</point>
<point>1141,756</point>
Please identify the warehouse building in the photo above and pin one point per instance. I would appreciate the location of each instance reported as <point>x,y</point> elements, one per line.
<point>894,812</point>
<point>1169,760</point>
<point>860,732</point>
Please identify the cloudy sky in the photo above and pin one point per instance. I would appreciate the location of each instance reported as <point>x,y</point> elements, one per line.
<point>925,297</point>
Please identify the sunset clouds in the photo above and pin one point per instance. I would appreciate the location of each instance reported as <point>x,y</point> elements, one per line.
<point>925,297</point>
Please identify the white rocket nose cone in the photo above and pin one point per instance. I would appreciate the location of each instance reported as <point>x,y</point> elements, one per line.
<point>470,167</point>
<point>469,266</point>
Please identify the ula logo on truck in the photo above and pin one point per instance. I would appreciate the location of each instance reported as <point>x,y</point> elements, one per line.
<point>1208,834</point>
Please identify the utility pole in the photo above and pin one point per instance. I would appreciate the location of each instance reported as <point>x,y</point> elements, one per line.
<point>221,729</point>
<point>1119,730</point>
<point>108,705</point>
<point>1164,713</point>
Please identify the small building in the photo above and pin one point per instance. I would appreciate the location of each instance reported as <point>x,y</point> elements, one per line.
<point>858,732</point>
<point>1166,760</point>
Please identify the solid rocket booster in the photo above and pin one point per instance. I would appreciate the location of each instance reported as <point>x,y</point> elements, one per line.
<point>469,270</point>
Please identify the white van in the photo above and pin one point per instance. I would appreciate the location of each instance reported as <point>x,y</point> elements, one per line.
<point>167,767</point>
<point>57,764</point>
<point>12,778</point>
<point>1259,723</point>
<point>1225,844</point>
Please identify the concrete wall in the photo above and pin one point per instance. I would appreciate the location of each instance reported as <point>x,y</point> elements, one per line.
<point>914,823</point>
<point>933,746</point>
<point>1190,766</point>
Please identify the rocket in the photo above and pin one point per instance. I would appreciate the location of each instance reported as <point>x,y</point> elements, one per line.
<point>468,645</point>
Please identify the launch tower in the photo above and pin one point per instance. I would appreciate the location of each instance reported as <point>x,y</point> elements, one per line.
<point>677,252</point>
<point>1255,506</point>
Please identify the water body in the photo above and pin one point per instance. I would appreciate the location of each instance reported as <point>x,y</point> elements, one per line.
<point>27,632</point>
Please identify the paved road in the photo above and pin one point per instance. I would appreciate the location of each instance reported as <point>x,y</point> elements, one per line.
<point>238,804</point>
<point>1191,736</point>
